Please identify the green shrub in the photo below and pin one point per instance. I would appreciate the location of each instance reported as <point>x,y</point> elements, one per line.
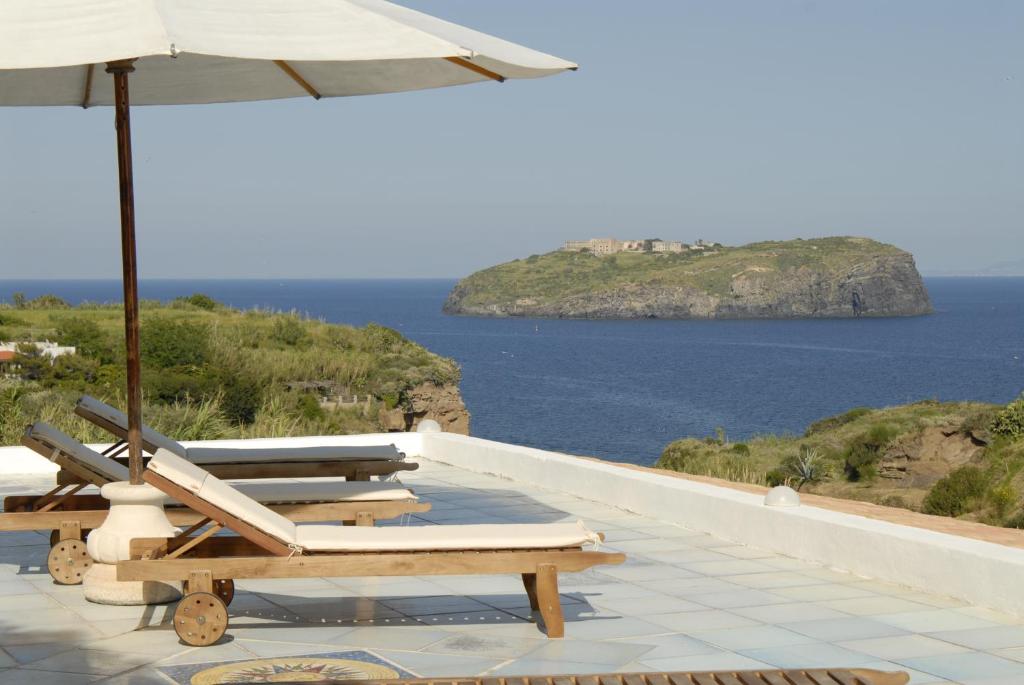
<point>833,422</point>
<point>45,302</point>
<point>241,396</point>
<point>1002,498</point>
<point>741,448</point>
<point>864,450</point>
<point>956,494</point>
<point>806,467</point>
<point>1015,521</point>
<point>288,330</point>
<point>1009,422</point>
<point>977,423</point>
<point>895,501</point>
<point>381,339</point>
<point>310,408</point>
<point>88,339</point>
<point>166,343</point>
<point>8,319</point>
<point>197,300</point>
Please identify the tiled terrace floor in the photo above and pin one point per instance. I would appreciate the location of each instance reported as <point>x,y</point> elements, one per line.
<point>683,601</point>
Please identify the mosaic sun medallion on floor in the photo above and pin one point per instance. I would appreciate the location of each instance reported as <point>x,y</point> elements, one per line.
<point>357,665</point>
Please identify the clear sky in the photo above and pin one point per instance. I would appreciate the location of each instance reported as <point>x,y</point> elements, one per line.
<point>723,120</point>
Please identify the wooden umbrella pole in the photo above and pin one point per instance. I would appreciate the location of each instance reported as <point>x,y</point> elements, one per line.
<point>120,69</point>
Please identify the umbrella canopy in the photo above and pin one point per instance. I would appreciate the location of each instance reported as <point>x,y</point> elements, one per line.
<point>201,51</point>
<point>54,52</point>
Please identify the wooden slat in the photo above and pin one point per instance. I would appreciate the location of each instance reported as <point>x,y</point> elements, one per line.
<point>846,678</point>
<point>704,679</point>
<point>798,678</point>
<point>359,564</point>
<point>466,64</point>
<point>295,76</point>
<point>748,678</point>
<point>773,678</point>
<point>728,679</point>
<point>87,90</point>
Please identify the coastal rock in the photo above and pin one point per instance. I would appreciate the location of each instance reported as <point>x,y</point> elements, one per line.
<point>427,401</point>
<point>840,277</point>
<point>921,459</point>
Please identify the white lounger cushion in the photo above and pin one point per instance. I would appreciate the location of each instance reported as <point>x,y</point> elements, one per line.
<point>327,490</point>
<point>242,455</point>
<point>72,449</point>
<point>192,478</point>
<point>276,455</point>
<point>327,538</point>
<point>224,497</point>
<point>323,538</point>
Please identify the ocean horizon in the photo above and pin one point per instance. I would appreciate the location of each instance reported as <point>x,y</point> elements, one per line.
<point>622,390</point>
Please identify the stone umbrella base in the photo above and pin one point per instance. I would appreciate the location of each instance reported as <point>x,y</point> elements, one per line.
<point>136,511</point>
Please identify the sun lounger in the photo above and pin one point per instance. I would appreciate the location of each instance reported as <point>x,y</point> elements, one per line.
<point>354,462</point>
<point>70,514</point>
<point>268,545</point>
<point>815,676</point>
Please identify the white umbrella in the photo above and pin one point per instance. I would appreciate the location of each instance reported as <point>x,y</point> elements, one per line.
<point>54,52</point>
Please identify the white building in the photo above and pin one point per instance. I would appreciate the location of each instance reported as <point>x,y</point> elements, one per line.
<point>47,348</point>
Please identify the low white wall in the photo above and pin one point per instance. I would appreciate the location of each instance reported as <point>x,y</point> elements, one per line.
<point>978,572</point>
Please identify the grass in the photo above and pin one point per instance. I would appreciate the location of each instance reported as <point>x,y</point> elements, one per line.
<point>210,371</point>
<point>848,449</point>
<point>557,275</point>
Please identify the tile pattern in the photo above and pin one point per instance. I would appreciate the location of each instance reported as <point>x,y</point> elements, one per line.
<point>683,601</point>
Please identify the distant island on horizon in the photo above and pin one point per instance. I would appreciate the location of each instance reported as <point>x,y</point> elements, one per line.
<point>605,278</point>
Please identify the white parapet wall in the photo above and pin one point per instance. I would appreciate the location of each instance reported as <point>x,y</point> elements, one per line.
<point>977,572</point>
<point>974,571</point>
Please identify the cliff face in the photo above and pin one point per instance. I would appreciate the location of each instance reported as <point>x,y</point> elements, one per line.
<point>426,401</point>
<point>741,283</point>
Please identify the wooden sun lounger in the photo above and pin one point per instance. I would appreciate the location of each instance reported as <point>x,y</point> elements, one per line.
<point>70,515</point>
<point>817,676</point>
<point>235,465</point>
<point>209,564</point>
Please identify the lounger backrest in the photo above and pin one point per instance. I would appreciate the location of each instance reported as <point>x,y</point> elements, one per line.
<point>201,483</point>
<point>75,451</point>
<point>120,419</point>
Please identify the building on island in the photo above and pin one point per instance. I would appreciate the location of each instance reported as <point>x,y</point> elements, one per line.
<point>667,246</point>
<point>606,246</point>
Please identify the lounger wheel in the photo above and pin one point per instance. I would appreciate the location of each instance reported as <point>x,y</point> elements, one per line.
<point>222,587</point>
<point>200,619</point>
<point>68,561</point>
<point>55,536</point>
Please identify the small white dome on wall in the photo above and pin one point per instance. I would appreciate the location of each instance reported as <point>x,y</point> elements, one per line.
<point>782,496</point>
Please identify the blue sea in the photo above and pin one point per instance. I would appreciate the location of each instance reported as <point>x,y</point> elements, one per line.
<point>622,390</point>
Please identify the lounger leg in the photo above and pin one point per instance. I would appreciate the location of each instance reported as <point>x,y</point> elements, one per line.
<point>530,583</point>
<point>364,518</point>
<point>200,581</point>
<point>547,597</point>
<point>70,530</point>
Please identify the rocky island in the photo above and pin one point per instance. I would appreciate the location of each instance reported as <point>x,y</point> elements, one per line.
<point>824,277</point>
